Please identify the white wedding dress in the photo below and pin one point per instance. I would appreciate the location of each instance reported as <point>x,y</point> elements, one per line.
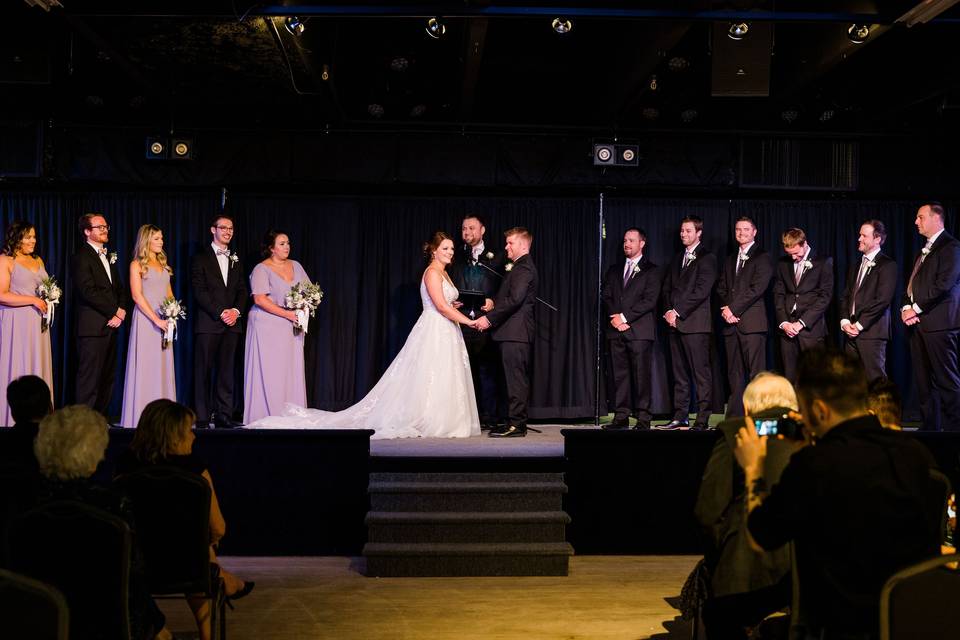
<point>426,392</point>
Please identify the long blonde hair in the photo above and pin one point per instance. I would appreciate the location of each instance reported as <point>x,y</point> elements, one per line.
<point>141,250</point>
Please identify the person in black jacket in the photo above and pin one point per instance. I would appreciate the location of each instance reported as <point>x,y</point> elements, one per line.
<point>513,328</point>
<point>221,294</point>
<point>743,283</point>
<point>475,269</point>
<point>630,291</point>
<point>686,293</point>
<point>866,299</point>
<point>931,308</point>
<point>802,289</point>
<point>100,299</point>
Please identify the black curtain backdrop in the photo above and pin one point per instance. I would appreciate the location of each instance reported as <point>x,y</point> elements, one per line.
<point>365,254</point>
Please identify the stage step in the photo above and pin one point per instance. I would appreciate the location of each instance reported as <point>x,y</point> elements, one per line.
<point>467,524</point>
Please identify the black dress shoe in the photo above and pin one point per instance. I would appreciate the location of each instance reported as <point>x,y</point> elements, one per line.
<point>510,431</point>
<point>642,426</point>
<point>617,425</point>
<point>673,424</point>
<point>698,426</point>
<point>487,425</point>
<point>202,423</point>
<point>222,422</point>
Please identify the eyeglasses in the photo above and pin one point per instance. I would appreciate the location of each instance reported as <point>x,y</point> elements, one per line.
<point>102,227</point>
<point>224,228</point>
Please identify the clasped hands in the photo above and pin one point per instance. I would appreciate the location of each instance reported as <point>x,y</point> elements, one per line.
<point>229,317</point>
<point>480,324</point>
<point>617,323</point>
<point>792,329</point>
<point>728,315</point>
<point>117,319</point>
<point>909,316</point>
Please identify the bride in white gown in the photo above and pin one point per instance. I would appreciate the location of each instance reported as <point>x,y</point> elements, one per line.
<point>427,391</point>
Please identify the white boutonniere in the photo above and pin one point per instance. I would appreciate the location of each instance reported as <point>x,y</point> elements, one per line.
<point>807,265</point>
<point>636,268</point>
<point>925,250</point>
<point>489,255</point>
<point>744,257</point>
<point>508,267</point>
<point>112,257</point>
<point>233,259</point>
<point>870,265</point>
<point>691,257</point>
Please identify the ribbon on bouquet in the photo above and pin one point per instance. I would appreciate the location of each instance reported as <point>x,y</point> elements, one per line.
<point>171,333</point>
<point>51,312</point>
<point>303,319</point>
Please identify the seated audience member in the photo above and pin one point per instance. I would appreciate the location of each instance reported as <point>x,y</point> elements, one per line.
<point>70,444</point>
<point>883,400</point>
<point>744,586</point>
<point>853,504</point>
<point>164,438</point>
<point>29,400</point>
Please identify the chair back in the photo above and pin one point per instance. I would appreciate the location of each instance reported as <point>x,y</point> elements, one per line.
<point>85,553</point>
<point>917,603</point>
<point>18,494</point>
<point>935,507</point>
<point>171,509</point>
<point>31,609</point>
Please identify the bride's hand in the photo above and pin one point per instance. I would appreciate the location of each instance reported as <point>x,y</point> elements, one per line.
<point>290,315</point>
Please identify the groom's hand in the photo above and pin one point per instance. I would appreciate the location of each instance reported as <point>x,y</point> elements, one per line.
<point>483,324</point>
<point>487,305</point>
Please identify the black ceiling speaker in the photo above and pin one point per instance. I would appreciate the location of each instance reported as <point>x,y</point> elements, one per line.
<point>741,68</point>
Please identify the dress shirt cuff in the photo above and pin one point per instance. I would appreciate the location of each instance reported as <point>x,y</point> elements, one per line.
<point>675,311</point>
<point>802,322</point>
<point>859,326</point>
<point>844,322</point>
<point>780,326</point>
<point>623,318</point>
<point>235,309</point>
<point>917,309</point>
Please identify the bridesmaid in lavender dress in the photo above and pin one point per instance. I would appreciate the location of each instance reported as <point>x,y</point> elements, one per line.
<point>273,363</point>
<point>24,348</point>
<point>150,372</point>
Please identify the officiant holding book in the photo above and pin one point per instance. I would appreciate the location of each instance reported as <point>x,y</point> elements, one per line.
<point>477,271</point>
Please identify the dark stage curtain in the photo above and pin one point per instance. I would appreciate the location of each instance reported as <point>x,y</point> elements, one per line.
<point>365,254</point>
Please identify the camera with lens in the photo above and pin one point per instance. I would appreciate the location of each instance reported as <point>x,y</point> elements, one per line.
<point>777,422</point>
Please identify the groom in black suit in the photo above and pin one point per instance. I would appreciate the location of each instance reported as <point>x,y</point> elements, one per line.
<point>100,302</point>
<point>221,294</point>
<point>476,268</point>
<point>630,291</point>
<point>513,328</point>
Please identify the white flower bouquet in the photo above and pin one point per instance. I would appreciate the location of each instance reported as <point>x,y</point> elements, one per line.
<point>171,310</point>
<point>49,291</point>
<point>304,298</point>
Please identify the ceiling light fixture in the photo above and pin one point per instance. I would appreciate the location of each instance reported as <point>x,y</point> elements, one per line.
<point>562,25</point>
<point>738,30</point>
<point>435,27</point>
<point>858,33</point>
<point>294,25</point>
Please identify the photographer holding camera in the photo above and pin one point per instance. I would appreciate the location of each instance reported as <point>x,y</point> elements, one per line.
<point>853,504</point>
<point>744,586</point>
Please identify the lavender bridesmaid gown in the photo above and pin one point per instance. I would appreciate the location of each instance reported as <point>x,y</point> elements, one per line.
<point>24,349</point>
<point>273,363</point>
<point>149,374</point>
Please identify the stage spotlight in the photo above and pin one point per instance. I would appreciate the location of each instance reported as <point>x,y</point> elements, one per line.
<point>628,155</point>
<point>738,30</point>
<point>827,115</point>
<point>181,148</point>
<point>435,28</point>
<point>562,25</point>
<point>156,149</point>
<point>858,33</point>
<point>399,64</point>
<point>607,154</point>
<point>418,110</point>
<point>653,83</point>
<point>294,25</point>
<point>677,63</point>
<point>603,154</point>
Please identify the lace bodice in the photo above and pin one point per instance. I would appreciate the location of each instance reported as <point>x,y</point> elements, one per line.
<point>450,293</point>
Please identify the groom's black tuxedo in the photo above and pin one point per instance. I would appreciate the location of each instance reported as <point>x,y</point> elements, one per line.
<point>513,327</point>
<point>869,306</point>
<point>484,364</point>
<point>97,299</point>
<point>216,343</point>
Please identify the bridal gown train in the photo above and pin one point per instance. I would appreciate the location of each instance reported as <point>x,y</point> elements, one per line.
<point>427,391</point>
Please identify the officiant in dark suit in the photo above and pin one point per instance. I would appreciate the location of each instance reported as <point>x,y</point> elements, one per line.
<point>630,291</point>
<point>100,300</point>
<point>802,289</point>
<point>478,287</point>
<point>866,299</point>
<point>220,289</point>
<point>743,285</point>
<point>513,327</point>
<point>931,308</point>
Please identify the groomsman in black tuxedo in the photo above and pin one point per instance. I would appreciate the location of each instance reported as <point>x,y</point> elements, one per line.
<point>513,328</point>
<point>686,293</point>
<point>220,290</point>
<point>630,291</point>
<point>931,308</point>
<point>801,294</point>
<point>866,300</point>
<point>469,274</point>
<point>100,300</point>
<point>743,284</point>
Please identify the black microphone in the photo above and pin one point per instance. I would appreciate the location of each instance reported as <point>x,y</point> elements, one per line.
<point>499,275</point>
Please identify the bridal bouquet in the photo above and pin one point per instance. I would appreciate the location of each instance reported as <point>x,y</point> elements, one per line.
<point>49,291</point>
<point>171,310</point>
<point>304,298</point>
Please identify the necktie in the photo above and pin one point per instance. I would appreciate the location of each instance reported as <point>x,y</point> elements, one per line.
<point>916,268</point>
<point>739,264</point>
<point>686,259</point>
<point>797,272</point>
<point>860,276</point>
<point>627,271</point>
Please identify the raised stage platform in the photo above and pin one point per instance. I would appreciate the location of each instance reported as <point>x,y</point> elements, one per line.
<point>305,492</point>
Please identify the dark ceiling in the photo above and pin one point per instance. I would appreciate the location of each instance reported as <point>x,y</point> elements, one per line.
<point>498,67</point>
